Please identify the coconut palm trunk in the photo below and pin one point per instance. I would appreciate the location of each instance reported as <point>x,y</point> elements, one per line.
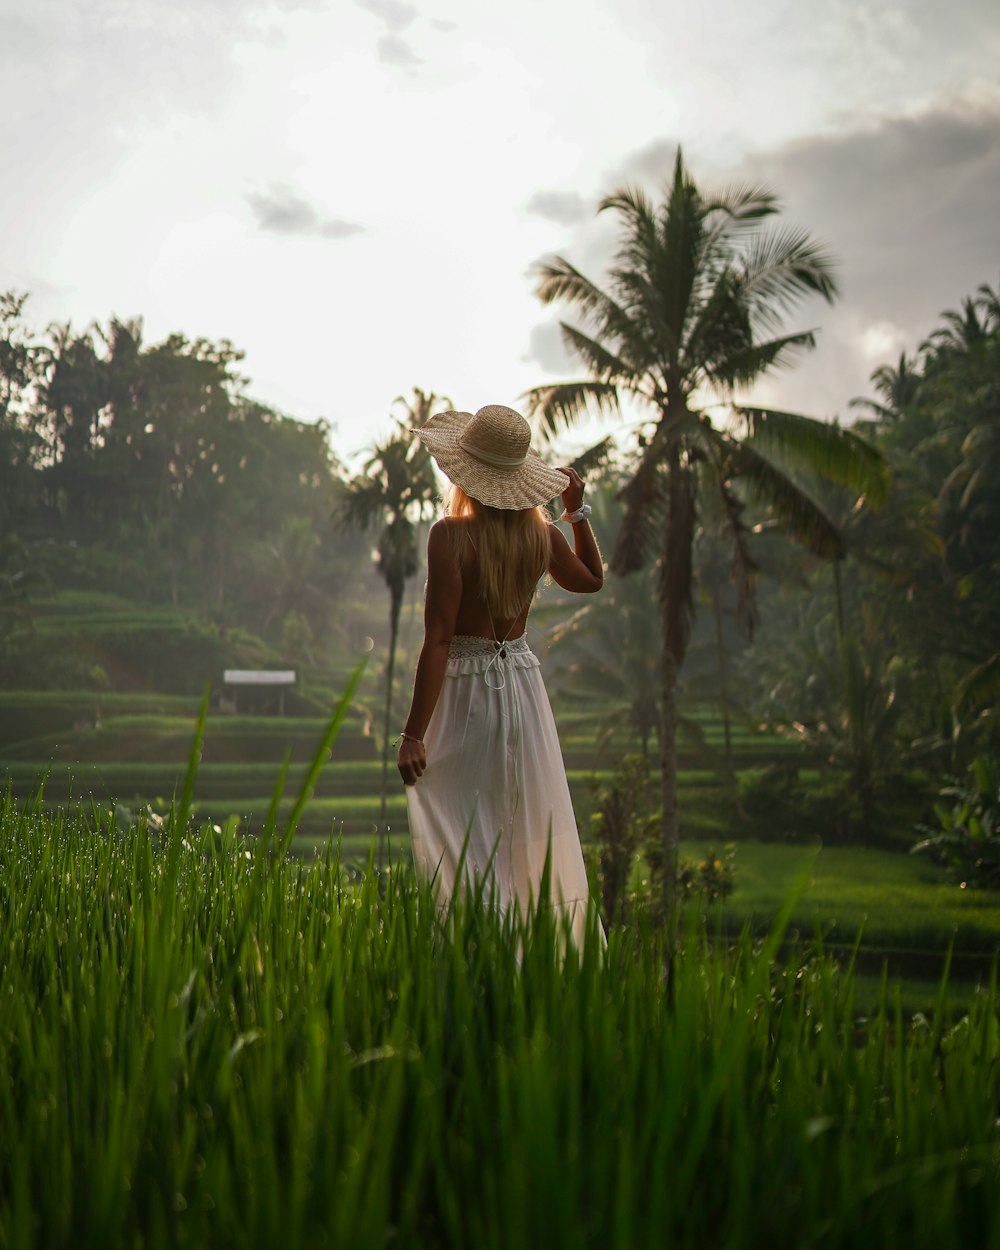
<point>396,488</point>
<point>675,609</point>
<point>395,611</point>
<point>670,829</point>
<point>723,663</point>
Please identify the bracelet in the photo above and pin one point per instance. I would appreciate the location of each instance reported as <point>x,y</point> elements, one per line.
<point>410,737</point>
<point>580,514</point>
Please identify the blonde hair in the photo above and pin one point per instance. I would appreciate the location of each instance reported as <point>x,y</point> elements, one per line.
<point>512,546</point>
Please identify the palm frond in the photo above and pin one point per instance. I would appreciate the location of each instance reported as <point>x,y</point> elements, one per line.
<point>638,279</point>
<point>363,505</point>
<point>876,411</point>
<point>677,262</point>
<point>558,405</point>
<point>569,626</point>
<point>594,458</point>
<point>602,363</point>
<point>743,204</point>
<point>782,267</point>
<point>746,365</point>
<point>652,340</point>
<point>632,204</point>
<point>829,450</point>
<point>719,330</point>
<point>801,516</point>
<point>981,479</point>
<point>559,280</point>
<point>988,300</point>
<point>899,386</point>
<point>981,685</point>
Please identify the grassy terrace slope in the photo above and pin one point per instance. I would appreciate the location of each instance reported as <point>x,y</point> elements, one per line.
<point>143,741</point>
<point>130,744</point>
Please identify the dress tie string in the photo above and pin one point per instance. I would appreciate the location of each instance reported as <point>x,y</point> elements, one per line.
<point>495,674</point>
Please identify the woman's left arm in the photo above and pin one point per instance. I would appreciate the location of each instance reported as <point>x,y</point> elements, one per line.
<point>444,594</point>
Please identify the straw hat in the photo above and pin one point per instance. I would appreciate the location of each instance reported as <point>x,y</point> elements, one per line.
<point>489,456</point>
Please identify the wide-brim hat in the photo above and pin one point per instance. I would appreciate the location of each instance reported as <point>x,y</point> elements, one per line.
<point>488,454</point>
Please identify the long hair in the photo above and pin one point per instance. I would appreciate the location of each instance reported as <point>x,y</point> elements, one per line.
<point>512,546</point>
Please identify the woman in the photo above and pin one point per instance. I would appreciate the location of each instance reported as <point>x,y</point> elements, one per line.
<point>479,754</point>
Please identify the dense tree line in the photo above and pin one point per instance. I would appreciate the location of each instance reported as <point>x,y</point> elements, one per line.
<point>879,653</point>
<point>890,657</point>
<point>147,470</point>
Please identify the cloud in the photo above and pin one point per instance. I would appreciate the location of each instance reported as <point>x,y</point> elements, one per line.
<point>393,50</point>
<point>907,204</point>
<point>546,348</point>
<point>395,14</point>
<point>652,166</point>
<point>565,208</point>
<point>282,211</point>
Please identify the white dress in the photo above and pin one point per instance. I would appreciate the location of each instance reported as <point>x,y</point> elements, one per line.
<point>495,776</point>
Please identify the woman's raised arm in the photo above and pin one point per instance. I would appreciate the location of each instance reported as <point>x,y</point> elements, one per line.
<point>580,570</point>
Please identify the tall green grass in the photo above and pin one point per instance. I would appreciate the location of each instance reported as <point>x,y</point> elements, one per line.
<point>204,1043</point>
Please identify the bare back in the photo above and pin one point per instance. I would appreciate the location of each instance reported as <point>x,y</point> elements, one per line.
<point>473,617</point>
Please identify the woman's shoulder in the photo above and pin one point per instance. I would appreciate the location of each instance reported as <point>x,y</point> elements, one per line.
<point>447,529</point>
<point>445,540</point>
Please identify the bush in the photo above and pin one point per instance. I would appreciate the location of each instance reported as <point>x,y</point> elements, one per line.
<point>966,837</point>
<point>771,803</point>
<point>712,878</point>
<point>777,805</point>
<point>621,823</point>
<point>626,833</point>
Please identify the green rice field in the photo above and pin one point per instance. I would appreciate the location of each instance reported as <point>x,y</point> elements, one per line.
<point>255,1035</point>
<point>134,756</point>
<point>207,1044</point>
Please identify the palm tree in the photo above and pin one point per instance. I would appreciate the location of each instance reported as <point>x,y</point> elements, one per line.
<point>395,489</point>
<point>965,329</point>
<point>898,388</point>
<point>693,306</point>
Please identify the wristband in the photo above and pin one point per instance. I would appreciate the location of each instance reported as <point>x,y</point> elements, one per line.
<point>580,514</point>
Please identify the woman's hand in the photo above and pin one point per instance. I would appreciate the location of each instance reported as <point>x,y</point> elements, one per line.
<point>411,761</point>
<point>572,496</point>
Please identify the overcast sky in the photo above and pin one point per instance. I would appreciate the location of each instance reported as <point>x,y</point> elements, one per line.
<point>355,191</point>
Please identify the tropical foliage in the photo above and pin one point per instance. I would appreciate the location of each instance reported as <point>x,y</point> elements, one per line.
<point>692,310</point>
<point>915,603</point>
<point>965,834</point>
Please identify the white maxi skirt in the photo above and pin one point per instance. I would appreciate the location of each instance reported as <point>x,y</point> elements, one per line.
<point>495,785</point>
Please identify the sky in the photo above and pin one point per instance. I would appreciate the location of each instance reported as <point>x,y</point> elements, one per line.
<point>356,193</point>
